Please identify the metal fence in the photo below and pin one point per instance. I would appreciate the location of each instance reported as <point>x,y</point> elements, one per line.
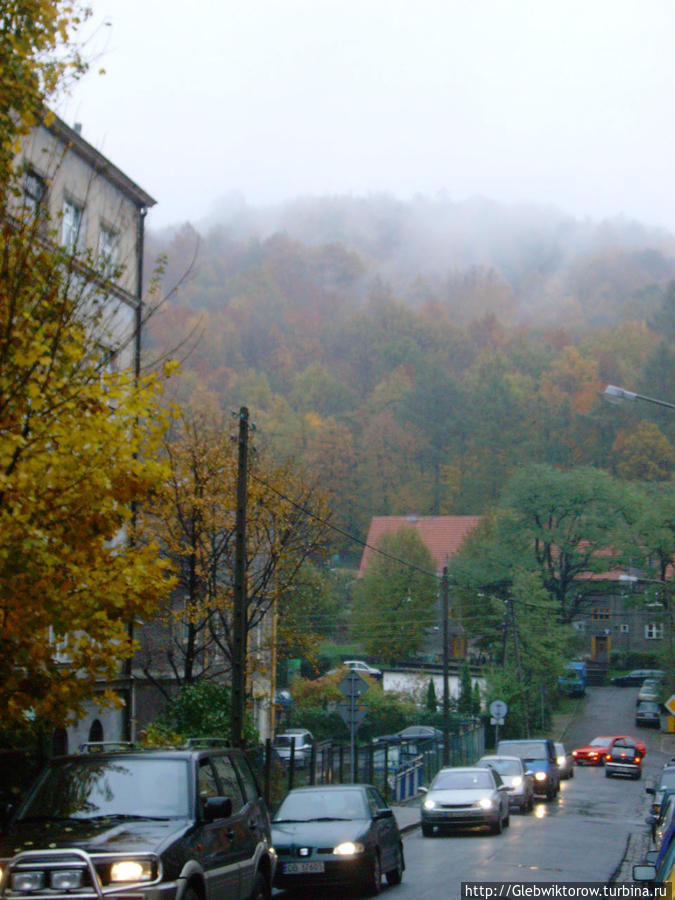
<point>398,769</point>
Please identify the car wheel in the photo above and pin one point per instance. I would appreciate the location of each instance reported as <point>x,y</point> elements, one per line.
<point>507,820</point>
<point>638,776</point>
<point>395,875</point>
<point>608,774</point>
<point>571,775</point>
<point>427,830</point>
<point>497,827</point>
<point>261,890</point>
<point>550,793</point>
<point>374,881</point>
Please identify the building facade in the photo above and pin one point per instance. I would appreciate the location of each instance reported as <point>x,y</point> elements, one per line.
<point>88,205</point>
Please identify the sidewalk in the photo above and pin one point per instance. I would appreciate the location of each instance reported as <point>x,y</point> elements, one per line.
<point>407,817</point>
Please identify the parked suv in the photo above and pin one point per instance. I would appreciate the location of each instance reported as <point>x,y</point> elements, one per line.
<point>539,756</point>
<point>174,824</point>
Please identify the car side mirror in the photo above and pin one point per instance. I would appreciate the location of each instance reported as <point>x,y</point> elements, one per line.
<point>423,790</point>
<point>529,772</point>
<point>644,872</point>
<point>650,820</point>
<point>384,814</point>
<point>650,791</point>
<point>217,808</point>
<point>502,787</point>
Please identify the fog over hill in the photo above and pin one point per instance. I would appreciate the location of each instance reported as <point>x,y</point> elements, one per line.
<point>432,246</point>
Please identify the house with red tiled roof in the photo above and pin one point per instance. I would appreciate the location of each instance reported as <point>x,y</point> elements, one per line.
<point>443,535</point>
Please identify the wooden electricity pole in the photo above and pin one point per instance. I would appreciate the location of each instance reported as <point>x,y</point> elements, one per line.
<point>446,664</point>
<point>239,624</point>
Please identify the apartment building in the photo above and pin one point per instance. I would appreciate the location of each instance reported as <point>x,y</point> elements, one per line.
<point>89,205</point>
<point>93,206</point>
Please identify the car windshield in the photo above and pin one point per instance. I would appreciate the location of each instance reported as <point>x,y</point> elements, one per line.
<point>459,781</point>
<point>90,788</point>
<point>667,779</point>
<point>526,749</point>
<point>600,742</point>
<point>310,806</point>
<point>648,706</point>
<point>503,766</point>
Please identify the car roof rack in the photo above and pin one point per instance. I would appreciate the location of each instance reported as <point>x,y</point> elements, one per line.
<point>103,746</point>
<point>191,743</point>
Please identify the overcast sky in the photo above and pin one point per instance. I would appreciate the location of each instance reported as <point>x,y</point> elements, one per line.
<point>559,102</point>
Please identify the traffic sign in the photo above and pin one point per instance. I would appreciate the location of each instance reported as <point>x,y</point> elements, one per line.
<point>494,721</point>
<point>670,704</point>
<point>351,714</point>
<point>353,685</point>
<point>498,709</point>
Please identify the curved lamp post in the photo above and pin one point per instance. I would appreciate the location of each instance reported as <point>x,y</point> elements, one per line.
<point>614,394</point>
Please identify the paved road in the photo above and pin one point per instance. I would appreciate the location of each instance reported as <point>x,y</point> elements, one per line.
<point>583,836</point>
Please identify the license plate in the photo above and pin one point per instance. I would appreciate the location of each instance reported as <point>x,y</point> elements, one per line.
<point>301,868</point>
<point>624,768</point>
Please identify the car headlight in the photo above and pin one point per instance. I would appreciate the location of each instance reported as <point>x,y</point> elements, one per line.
<point>561,760</point>
<point>517,781</point>
<point>131,870</point>
<point>349,848</point>
<point>485,803</point>
<point>429,804</point>
<point>540,776</point>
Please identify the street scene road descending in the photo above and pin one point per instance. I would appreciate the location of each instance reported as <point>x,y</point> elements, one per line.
<point>581,837</point>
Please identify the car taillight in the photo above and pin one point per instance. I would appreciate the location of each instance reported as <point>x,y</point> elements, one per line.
<point>638,759</point>
<point>608,758</point>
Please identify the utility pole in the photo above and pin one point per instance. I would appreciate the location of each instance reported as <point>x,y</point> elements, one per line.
<point>446,663</point>
<point>239,629</point>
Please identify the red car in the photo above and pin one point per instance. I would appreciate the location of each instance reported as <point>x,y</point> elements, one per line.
<point>594,754</point>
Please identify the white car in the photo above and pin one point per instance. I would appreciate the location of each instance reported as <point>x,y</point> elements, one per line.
<point>358,665</point>
<point>302,742</point>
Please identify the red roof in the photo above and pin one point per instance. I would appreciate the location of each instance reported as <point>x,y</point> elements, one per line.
<point>443,535</point>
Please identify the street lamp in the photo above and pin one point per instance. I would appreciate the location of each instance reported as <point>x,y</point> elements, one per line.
<point>614,394</point>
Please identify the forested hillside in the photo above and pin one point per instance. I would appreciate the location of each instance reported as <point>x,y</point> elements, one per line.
<point>414,355</point>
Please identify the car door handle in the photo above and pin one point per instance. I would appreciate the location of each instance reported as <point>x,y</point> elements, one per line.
<point>230,834</point>
<point>253,825</point>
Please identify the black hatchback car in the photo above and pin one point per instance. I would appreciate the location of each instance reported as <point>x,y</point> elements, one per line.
<point>175,824</point>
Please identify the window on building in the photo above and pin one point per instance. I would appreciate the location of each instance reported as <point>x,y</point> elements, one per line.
<point>60,647</point>
<point>654,631</point>
<point>601,614</point>
<point>72,226</point>
<point>108,250</point>
<point>624,629</point>
<point>34,190</point>
<point>579,626</point>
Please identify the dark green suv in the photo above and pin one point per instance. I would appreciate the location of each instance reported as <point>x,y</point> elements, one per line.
<point>174,824</point>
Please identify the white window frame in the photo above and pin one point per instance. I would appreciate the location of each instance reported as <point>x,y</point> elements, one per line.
<point>34,191</point>
<point>60,654</point>
<point>624,628</point>
<point>108,248</point>
<point>654,631</point>
<point>72,225</point>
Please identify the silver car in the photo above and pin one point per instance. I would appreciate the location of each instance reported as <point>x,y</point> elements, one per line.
<point>565,761</point>
<point>465,797</point>
<point>518,779</point>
